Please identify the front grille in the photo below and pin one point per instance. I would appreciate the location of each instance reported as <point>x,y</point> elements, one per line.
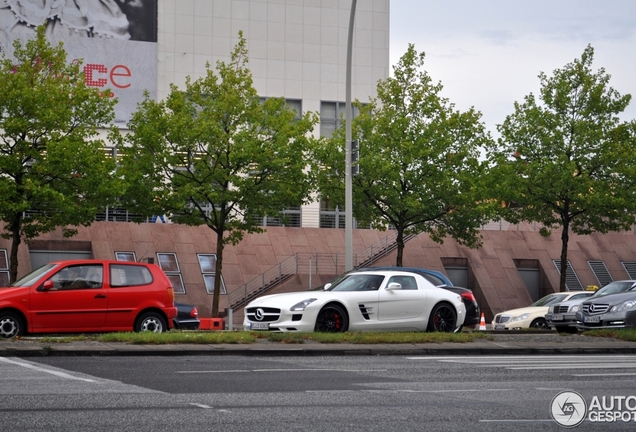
<point>560,309</point>
<point>595,308</point>
<point>500,319</point>
<point>268,314</point>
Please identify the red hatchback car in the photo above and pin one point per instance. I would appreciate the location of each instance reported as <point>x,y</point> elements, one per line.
<point>88,296</point>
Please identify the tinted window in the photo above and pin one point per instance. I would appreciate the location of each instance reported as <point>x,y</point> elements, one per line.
<point>407,282</point>
<point>122,275</point>
<point>75,277</point>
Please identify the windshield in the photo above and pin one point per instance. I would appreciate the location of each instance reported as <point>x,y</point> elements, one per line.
<point>357,282</point>
<point>34,276</point>
<point>550,299</point>
<point>613,288</point>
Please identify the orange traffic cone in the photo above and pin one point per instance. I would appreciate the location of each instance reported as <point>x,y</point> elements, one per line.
<point>482,323</point>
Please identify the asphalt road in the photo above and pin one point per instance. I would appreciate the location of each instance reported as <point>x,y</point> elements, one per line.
<point>348,393</point>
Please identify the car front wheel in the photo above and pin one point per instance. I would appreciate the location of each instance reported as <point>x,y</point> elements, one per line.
<point>151,322</point>
<point>332,319</point>
<point>11,325</point>
<point>443,318</point>
<point>539,323</point>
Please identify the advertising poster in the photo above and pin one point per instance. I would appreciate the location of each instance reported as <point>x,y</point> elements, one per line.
<point>115,39</point>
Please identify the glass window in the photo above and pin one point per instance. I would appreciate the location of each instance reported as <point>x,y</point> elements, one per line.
<point>78,277</point>
<point>122,275</point>
<point>207,262</point>
<point>407,282</point>
<point>125,256</point>
<point>4,268</point>
<point>169,263</point>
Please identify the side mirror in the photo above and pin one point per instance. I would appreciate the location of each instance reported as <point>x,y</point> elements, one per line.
<point>394,286</point>
<point>48,285</point>
<point>327,286</point>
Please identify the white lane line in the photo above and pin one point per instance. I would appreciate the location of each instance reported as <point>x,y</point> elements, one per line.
<point>212,371</point>
<point>515,420</point>
<point>278,370</point>
<point>560,367</point>
<point>39,369</point>
<point>407,391</point>
<point>201,406</point>
<point>604,374</point>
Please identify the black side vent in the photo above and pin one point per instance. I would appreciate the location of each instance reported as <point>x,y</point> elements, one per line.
<point>572,281</point>
<point>630,268</point>
<point>603,276</point>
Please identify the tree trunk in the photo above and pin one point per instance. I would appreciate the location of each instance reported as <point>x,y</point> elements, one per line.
<point>15,245</point>
<point>399,240</point>
<point>217,275</point>
<point>565,237</point>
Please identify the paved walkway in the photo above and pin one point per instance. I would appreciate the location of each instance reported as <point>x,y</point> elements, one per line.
<point>498,344</point>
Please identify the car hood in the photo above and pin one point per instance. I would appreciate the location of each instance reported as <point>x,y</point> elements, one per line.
<point>613,298</point>
<point>289,299</point>
<point>531,310</point>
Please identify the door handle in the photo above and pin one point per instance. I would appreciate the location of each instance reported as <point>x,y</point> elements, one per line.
<point>100,296</point>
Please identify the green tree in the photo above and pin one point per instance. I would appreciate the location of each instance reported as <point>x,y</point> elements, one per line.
<point>567,160</point>
<point>419,168</point>
<point>53,169</point>
<point>215,154</point>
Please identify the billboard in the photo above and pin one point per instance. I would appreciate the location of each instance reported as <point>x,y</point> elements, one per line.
<point>115,39</point>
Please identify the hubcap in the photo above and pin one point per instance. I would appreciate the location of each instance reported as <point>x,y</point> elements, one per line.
<point>8,328</point>
<point>151,325</point>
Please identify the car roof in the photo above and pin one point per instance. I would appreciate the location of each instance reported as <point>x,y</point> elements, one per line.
<point>418,270</point>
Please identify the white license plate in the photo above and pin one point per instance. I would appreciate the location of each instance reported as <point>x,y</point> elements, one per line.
<point>592,319</point>
<point>500,327</point>
<point>259,326</point>
<point>557,317</point>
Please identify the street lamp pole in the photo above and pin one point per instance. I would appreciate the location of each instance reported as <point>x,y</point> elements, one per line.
<point>348,170</point>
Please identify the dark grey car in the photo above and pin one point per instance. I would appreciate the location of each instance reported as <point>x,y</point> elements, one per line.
<point>612,311</point>
<point>562,316</point>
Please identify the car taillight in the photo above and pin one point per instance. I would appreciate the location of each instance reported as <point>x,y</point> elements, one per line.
<point>194,313</point>
<point>468,296</point>
<point>171,294</point>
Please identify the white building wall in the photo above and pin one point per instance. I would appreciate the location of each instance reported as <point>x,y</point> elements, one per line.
<point>297,48</point>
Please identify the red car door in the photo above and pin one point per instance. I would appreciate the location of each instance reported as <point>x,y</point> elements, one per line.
<point>73,300</point>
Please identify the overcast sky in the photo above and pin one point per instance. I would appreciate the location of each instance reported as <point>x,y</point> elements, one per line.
<point>488,53</point>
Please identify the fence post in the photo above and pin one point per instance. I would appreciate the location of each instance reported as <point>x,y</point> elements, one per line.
<point>310,272</point>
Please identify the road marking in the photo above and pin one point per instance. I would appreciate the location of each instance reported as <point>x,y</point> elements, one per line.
<point>201,406</point>
<point>604,374</point>
<point>279,370</point>
<point>515,421</point>
<point>212,371</point>
<point>39,369</point>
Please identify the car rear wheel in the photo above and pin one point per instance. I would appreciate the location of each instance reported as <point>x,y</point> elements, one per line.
<point>443,318</point>
<point>11,325</point>
<point>151,322</point>
<point>332,319</point>
<point>539,323</point>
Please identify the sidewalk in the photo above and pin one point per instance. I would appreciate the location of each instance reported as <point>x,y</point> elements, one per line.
<point>499,344</point>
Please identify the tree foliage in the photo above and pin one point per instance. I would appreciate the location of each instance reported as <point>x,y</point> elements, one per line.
<point>419,168</point>
<point>215,154</point>
<point>53,169</point>
<point>567,161</point>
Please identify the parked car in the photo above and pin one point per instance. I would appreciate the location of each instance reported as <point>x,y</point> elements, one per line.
<point>439,279</point>
<point>366,300</point>
<point>187,317</point>
<point>533,316</point>
<point>562,316</point>
<point>77,296</point>
<point>611,311</point>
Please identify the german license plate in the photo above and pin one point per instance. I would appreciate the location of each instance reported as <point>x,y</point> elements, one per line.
<point>259,326</point>
<point>500,327</point>
<point>557,317</point>
<point>592,319</point>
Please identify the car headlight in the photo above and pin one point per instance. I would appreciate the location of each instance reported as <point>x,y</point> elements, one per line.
<point>302,305</point>
<point>551,309</point>
<point>521,317</point>
<point>624,306</point>
<point>575,308</point>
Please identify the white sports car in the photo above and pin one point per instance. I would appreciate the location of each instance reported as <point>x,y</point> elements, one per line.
<point>361,301</point>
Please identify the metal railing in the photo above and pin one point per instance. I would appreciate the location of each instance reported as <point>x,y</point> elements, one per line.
<point>310,263</point>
